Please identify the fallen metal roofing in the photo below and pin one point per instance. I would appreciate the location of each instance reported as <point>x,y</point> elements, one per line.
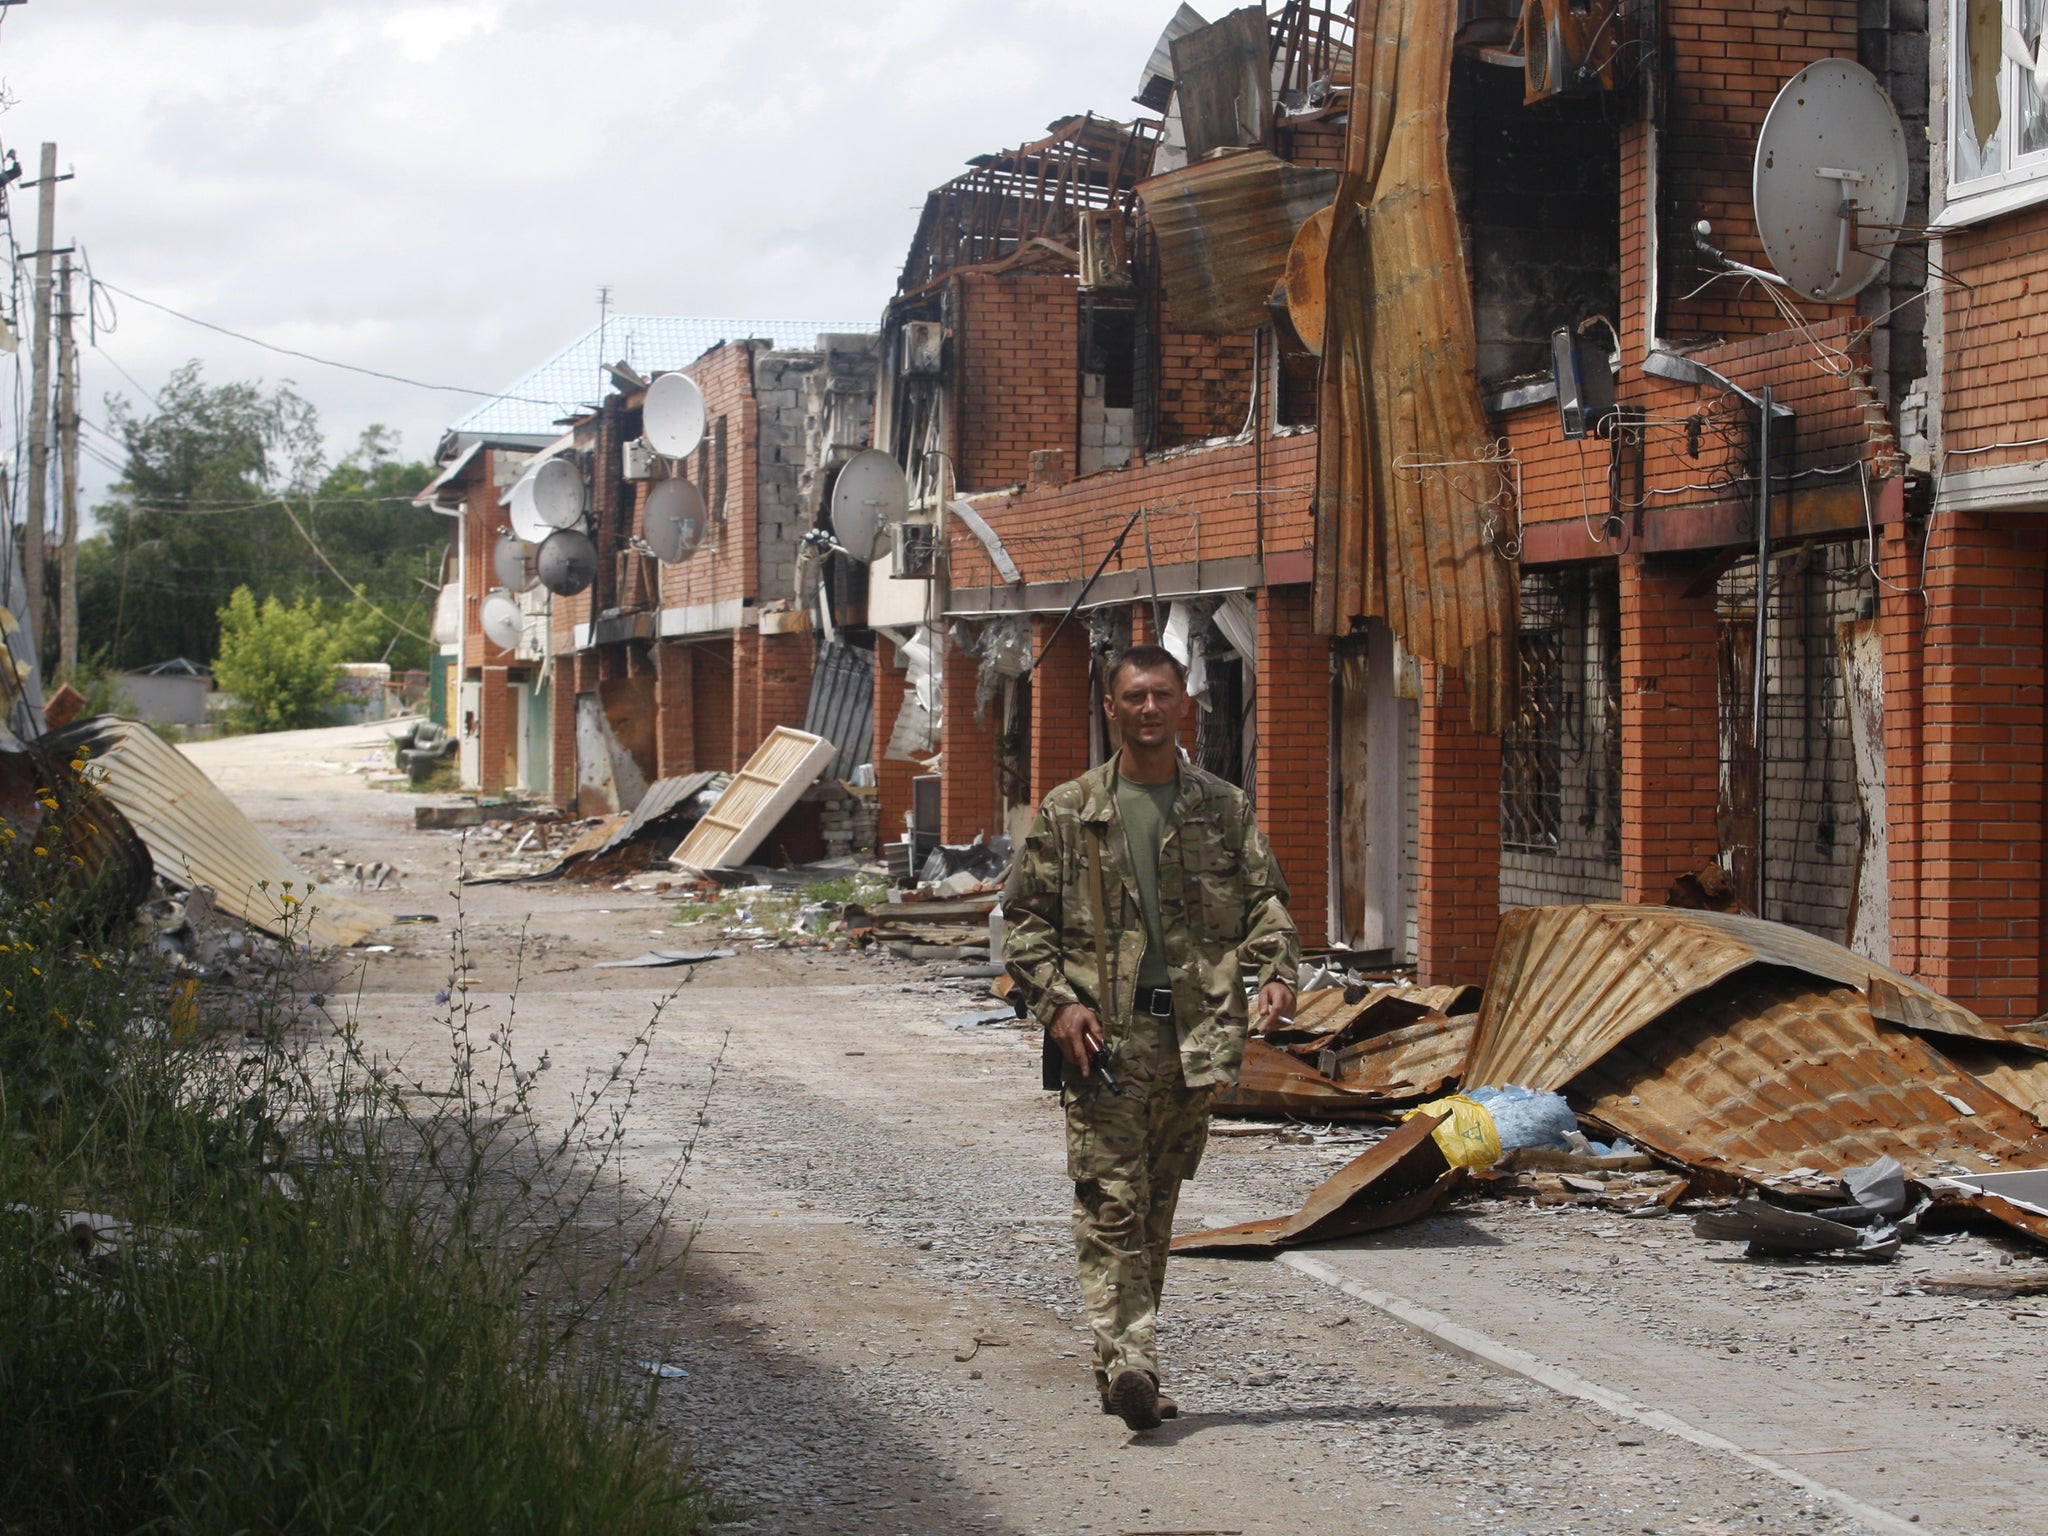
<point>1272,1082</point>
<point>761,793</point>
<point>1414,504</point>
<point>1769,1072</point>
<point>1414,1061</point>
<point>664,798</point>
<point>197,837</point>
<point>1399,1179</point>
<point>1570,983</point>
<point>1224,228</point>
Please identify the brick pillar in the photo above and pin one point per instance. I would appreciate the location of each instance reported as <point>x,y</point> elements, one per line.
<point>1060,702</point>
<point>1292,706</point>
<point>967,790</point>
<point>1982,726</point>
<point>562,723</point>
<point>1457,876</point>
<point>783,692</point>
<point>1670,729</point>
<point>892,775</point>
<point>494,730</point>
<point>746,692</point>
<point>1902,616</point>
<point>675,724</point>
<point>1142,632</point>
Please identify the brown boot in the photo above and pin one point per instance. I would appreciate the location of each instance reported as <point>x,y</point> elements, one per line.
<point>1168,1408</point>
<point>1134,1398</point>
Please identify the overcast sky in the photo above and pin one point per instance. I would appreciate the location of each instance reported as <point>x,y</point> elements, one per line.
<point>438,189</point>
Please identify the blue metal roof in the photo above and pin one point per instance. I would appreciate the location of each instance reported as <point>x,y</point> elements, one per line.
<point>574,380</point>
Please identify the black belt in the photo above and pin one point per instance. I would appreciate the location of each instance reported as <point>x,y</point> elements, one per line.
<point>1157,1001</point>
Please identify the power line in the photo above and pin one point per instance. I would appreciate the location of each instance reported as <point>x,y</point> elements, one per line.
<point>325,362</point>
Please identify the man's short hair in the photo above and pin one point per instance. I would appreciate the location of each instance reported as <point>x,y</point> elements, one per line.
<point>1146,657</point>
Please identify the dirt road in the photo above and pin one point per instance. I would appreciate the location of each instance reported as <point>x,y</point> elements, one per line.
<point>877,1193</point>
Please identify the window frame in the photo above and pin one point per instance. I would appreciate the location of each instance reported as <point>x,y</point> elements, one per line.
<point>2018,185</point>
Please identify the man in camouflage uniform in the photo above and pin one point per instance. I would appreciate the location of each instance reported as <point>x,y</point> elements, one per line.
<point>1141,890</point>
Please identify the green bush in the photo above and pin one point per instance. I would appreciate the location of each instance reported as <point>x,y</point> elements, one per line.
<point>278,662</point>
<point>312,1304</point>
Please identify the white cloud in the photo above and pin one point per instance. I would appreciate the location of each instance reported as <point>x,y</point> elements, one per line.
<point>437,190</point>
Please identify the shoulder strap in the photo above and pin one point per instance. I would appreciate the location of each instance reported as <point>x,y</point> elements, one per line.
<point>1093,833</point>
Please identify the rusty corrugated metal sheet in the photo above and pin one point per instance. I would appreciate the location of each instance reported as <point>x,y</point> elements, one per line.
<point>196,836</point>
<point>1570,983</point>
<point>1412,1062</point>
<point>1271,1082</point>
<point>1769,1071</point>
<point>1397,1180</point>
<point>88,843</point>
<point>1408,498</point>
<point>1224,228</point>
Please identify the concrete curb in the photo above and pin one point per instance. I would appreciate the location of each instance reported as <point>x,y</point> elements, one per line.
<point>1477,1347</point>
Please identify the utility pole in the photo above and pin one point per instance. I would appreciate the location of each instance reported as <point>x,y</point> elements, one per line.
<point>39,395</point>
<point>67,481</point>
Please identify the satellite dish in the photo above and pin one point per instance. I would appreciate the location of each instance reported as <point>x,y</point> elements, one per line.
<point>558,493</point>
<point>869,493</point>
<point>525,516</point>
<point>502,619</point>
<point>672,417</point>
<point>674,522</point>
<point>1830,182</point>
<point>1306,298</point>
<point>567,561</point>
<point>512,563</point>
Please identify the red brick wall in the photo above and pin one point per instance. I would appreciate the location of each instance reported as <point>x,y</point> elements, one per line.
<point>711,698</point>
<point>967,792</point>
<point>562,693</point>
<point>783,688</point>
<point>1994,371</point>
<point>1727,60</point>
<point>746,692</point>
<point>1983,725</point>
<point>1292,708</point>
<point>1060,705</point>
<point>494,730</point>
<point>483,517</point>
<point>1017,367</point>
<point>727,565</point>
<point>1205,383</point>
<point>1670,744</point>
<point>675,725</point>
<point>1457,897</point>
<point>892,775</point>
<point>1903,612</point>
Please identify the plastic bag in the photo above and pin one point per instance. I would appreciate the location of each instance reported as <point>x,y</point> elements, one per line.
<point>1525,1118</point>
<point>1468,1139</point>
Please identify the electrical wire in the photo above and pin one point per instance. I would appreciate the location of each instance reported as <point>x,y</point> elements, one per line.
<point>325,362</point>
<point>313,545</point>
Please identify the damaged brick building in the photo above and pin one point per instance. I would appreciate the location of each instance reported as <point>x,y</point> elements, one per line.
<point>1274,378</point>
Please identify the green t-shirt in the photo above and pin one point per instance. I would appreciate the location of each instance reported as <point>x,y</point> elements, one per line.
<point>1145,809</point>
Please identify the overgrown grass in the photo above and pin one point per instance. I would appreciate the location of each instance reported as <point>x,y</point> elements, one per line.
<point>252,1279</point>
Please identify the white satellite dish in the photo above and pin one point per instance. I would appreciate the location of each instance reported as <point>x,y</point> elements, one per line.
<point>672,417</point>
<point>502,620</point>
<point>1830,181</point>
<point>567,561</point>
<point>512,563</point>
<point>525,516</point>
<point>558,493</point>
<point>869,493</point>
<point>674,521</point>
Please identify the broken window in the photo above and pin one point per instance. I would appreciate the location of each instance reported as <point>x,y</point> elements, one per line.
<point>1998,92</point>
<point>1108,368</point>
<point>1539,194</point>
<point>1532,747</point>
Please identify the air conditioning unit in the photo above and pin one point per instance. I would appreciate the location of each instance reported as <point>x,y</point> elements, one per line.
<point>914,555</point>
<point>924,349</point>
<point>1584,372</point>
<point>636,460</point>
<point>1568,48</point>
<point>1105,261</point>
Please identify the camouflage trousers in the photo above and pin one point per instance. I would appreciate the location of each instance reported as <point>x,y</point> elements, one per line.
<point>1127,1157</point>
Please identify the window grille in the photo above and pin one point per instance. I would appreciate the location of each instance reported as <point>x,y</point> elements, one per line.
<point>1531,761</point>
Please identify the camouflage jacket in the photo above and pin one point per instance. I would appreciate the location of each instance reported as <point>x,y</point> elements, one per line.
<point>1221,904</point>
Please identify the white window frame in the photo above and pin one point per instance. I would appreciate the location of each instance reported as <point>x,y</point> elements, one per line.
<point>2020,184</point>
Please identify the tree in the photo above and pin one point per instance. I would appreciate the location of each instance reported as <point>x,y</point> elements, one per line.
<point>226,486</point>
<point>279,662</point>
